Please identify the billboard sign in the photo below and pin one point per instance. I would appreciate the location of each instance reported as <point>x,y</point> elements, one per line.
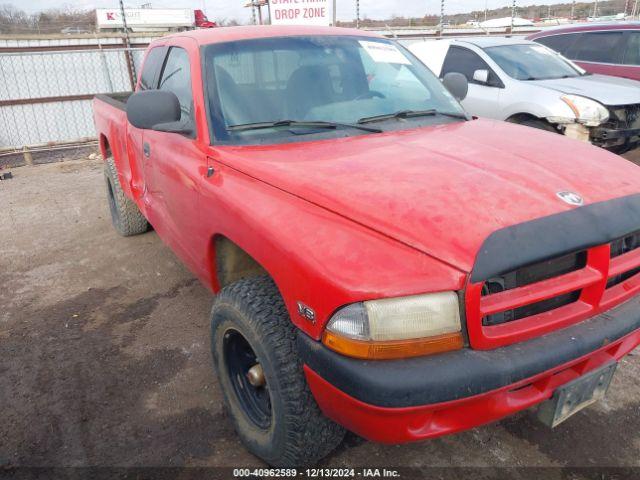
<point>301,12</point>
<point>145,17</point>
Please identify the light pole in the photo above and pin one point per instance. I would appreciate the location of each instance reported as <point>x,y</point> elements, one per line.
<point>513,14</point>
<point>132,65</point>
<point>441,15</point>
<point>357,13</point>
<point>573,10</point>
<point>334,13</point>
<point>595,9</point>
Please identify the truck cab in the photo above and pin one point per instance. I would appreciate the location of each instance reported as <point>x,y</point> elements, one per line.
<point>382,262</point>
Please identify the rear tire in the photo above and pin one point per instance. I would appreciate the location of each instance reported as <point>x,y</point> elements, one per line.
<point>278,420</point>
<point>125,215</point>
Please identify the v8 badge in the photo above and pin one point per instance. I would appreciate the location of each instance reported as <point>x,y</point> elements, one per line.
<point>306,312</point>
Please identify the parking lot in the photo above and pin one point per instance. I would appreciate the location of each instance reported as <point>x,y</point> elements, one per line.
<point>104,356</point>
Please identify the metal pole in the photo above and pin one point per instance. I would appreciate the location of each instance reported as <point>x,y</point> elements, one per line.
<point>103,61</point>
<point>334,13</point>
<point>253,13</point>
<point>441,15</point>
<point>260,14</point>
<point>127,42</point>
<point>357,13</point>
<point>595,9</point>
<point>573,10</point>
<point>513,14</point>
<point>486,9</point>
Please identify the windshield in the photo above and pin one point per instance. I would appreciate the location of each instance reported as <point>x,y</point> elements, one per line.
<point>335,79</point>
<point>532,62</point>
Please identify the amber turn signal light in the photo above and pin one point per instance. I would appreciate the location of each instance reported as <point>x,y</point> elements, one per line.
<point>392,349</point>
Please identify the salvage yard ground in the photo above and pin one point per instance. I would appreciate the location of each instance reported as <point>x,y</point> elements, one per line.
<point>104,356</point>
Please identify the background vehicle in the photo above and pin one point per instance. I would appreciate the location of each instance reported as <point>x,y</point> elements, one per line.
<point>522,82</point>
<point>151,19</point>
<point>606,48</point>
<point>357,225</point>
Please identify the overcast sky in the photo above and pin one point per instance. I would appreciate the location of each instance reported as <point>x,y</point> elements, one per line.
<point>219,9</point>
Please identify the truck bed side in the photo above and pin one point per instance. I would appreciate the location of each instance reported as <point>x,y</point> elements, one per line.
<point>110,119</point>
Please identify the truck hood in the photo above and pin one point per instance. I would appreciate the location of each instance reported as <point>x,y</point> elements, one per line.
<point>602,88</point>
<point>441,189</point>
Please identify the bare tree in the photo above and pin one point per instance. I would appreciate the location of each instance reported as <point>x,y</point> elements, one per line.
<point>13,20</point>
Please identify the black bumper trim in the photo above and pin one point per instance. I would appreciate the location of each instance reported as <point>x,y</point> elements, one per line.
<point>613,134</point>
<point>518,245</point>
<point>464,373</point>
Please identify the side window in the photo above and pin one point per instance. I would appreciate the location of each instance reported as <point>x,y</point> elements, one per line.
<point>559,43</point>
<point>632,50</point>
<point>598,47</point>
<point>466,62</point>
<point>151,68</point>
<point>176,78</point>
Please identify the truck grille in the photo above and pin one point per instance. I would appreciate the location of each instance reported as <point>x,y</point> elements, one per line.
<point>531,274</point>
<point>620,247</point>
<point>555,293</point>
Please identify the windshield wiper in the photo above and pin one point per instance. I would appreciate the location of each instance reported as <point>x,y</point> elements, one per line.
<point>301,124</point>
<point>562,77</point>
<point>411,114</point>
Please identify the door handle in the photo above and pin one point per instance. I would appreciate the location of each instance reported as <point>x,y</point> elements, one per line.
<point>146,149</point>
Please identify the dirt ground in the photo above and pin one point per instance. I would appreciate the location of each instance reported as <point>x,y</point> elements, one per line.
<point>104,356</point>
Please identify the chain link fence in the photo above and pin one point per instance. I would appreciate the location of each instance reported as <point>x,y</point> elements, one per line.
<point>45,96</point>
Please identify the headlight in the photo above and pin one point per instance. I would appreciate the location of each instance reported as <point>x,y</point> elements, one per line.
<point>587,111</point>
<point>396,327</point>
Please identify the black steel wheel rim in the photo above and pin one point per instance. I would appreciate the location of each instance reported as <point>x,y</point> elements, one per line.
<point>239,357</point>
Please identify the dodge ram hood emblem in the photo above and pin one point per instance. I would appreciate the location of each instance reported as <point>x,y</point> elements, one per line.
<point>571,198</point>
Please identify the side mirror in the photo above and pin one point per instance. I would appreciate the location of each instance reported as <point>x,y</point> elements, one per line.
<point>156,110</point>
<point>481,76</point>
<point>457,84</point>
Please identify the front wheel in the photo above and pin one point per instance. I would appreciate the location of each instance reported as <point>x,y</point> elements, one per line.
<point>265,391</point>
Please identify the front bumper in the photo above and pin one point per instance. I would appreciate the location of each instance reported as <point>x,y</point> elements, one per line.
<point>406,400</point>
<point>610,137</point>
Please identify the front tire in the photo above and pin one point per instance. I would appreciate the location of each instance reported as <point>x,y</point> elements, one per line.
<point>265,391</point>
<point>125,215</point>
<point>536,123</point>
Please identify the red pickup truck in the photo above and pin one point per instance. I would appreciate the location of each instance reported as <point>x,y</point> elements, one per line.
<point>382,262</point>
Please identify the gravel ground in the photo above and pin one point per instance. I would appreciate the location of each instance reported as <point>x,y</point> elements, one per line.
<point>104,356</point>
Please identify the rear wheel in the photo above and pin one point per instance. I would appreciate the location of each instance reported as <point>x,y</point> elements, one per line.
<point>265,391</point>
<point>125,215</point>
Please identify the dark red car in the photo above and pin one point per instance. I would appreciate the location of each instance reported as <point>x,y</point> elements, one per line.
<point>606,48</point>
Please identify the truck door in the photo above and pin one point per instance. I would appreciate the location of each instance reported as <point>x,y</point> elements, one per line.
<point>484,95</point>
<point>173,164</point>
<point>148,81</point>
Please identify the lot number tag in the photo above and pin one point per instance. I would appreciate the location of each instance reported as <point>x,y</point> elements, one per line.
<point>384,53</point>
